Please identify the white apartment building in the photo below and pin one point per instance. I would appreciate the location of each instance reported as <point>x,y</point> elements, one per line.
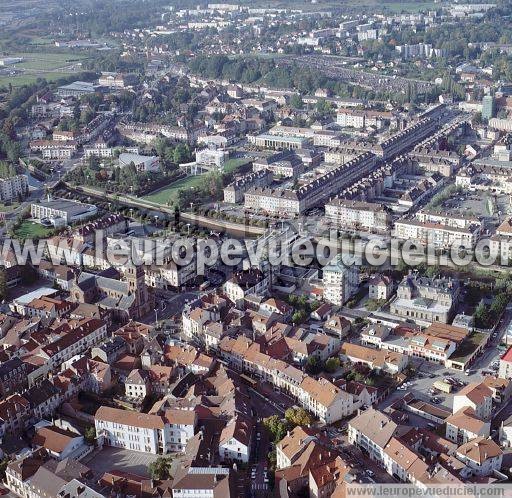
<point>245,282</point>
<point>130,430</point>
<point>482,456</point>
<point>357,214</point>
<point>12,188</point>
<point>355,118</point>
<point>371,431</point>
<point>86,333</point>
<point>148,433</point>
<point>102,150</point>
<point>505,371</point>
<point>54,149</point>
<point>234,192</point>
<point>464,426</point>
<point>279,142</point>
<point>212,157</point>
<point>477,396</point>
<point>235,440</point>
<point>340,281</point>
<point>436,234</point>
<point>322,398</point>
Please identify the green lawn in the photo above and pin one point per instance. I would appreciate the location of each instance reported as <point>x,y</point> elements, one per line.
<point>27,79</point>
<point>30,230</point>
<point>169,193</point>
<point>375,5</point>
<point>48,65</point>
<point>233,164</point>
<point>47,61</point>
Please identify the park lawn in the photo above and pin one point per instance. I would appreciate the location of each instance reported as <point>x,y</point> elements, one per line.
<point>170,193</point>
<point>47,60</point>
<point>233,164</point>
<point>378,5</point>
<point>30,230</point>
<point>27,79</point>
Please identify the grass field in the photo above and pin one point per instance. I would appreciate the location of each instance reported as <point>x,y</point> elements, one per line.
<point>376,5</point>
<point>48,65</point>
<point>170,193</point>
<point>30,230</point>
<point>47,61</point>
<point>27,79</point>
<point>233,164</point>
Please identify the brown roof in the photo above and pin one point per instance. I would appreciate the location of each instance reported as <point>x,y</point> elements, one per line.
<point>54,438</point>
<point>375,425</point>
<point>181,417</point>
<point>125,417</point>
<point>476,392</point>
<point>403,456</point>
<point>466,418</point>
<point>479,450</point>
<point>293,442</point>
<point>239,428</point>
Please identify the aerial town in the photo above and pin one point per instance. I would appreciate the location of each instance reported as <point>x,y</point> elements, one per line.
<point>255,249</point>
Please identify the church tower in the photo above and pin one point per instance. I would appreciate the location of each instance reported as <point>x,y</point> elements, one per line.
<point>137,286</point>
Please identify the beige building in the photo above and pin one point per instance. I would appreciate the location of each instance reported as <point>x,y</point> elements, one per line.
<point>340,281</point>
<point>475,396</point>
<point>358,214</point>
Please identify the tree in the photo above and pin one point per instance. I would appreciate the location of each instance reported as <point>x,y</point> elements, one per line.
<point>296,101</point>
<point>332,364</point>
<point>161,468</point>
<point>272,460</point>
<point>298,416</point>
<point>481,316</point>
<point>3,467</point>
<point>313,365</point>
<point>299,316</point>
<point>181,154</point>
<point>90,435</point>
<point>276,427</point>
<point>3,284</point>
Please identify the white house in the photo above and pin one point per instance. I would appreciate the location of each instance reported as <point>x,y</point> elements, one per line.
<point>477,396</point>
<point>235,440</point>
<point>481,456</point>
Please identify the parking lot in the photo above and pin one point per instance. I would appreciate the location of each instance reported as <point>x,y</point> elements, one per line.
<point>109,459</point>
<point>477,204</point>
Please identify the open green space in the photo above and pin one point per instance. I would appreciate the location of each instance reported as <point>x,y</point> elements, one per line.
<point>30,230</point>
<point>48,65</point>
<point>233,164</point>
<point>377,5</point>
<point>27,79</point>
<point>170,193</point>
<point>47,61</point>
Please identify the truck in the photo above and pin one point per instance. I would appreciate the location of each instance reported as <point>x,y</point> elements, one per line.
<point>443,386</point>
